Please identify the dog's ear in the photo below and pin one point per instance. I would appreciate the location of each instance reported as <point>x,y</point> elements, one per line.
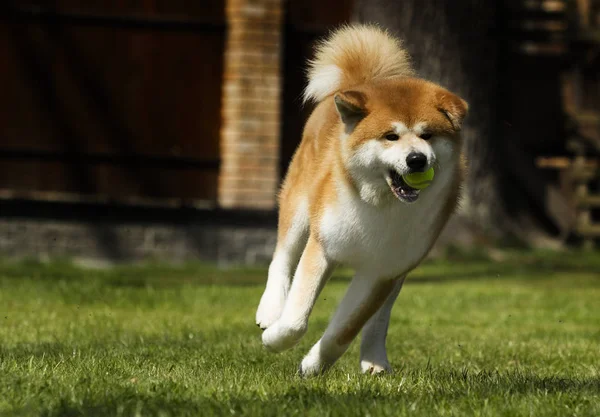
<point>351,108</point>
<point>454,108</point>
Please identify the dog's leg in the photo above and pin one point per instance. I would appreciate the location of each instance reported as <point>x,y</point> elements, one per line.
<point>363,298</point>
<point>373,355</point>
<point>291,240</point>
<point>311,274</point>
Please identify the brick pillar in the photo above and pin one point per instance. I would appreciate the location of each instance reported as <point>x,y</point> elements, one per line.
<point>251,105</point>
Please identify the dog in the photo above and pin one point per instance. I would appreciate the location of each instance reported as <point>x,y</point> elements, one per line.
<point>343,200</point>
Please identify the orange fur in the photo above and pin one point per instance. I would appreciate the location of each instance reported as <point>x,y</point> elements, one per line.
<point>318,161</point>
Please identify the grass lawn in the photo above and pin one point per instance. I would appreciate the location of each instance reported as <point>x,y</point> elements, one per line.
<point>519,337</point>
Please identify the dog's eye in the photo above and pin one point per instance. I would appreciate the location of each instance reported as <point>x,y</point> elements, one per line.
<point>426,136</point>
<point>391,136</point>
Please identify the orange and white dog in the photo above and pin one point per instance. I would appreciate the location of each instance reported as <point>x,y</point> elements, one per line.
<point>344,201</point>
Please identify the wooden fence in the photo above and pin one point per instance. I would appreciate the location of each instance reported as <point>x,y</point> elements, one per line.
<point>111,100</point>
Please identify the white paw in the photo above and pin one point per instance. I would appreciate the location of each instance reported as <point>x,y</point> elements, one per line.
<point>320,358</point>
<point>374,367</point>
<point>281,336</point>
<point>270,307</point>
<point>312,364</point>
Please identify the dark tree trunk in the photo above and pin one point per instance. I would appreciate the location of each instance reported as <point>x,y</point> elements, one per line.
<point>452,43</point>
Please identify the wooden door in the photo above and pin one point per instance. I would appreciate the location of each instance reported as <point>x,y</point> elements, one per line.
<point>116,100</point>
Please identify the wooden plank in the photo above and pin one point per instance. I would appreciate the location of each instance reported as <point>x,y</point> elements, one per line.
<point>586,117</point>
<point>52,196</point>
<point>592,230</point>
<point>588,201</point>
<point>309,14</point>
<point>553,162</point>
<point>546,25</point>
<point>583,175</point>
<point>560,162</point>
<point>545,6</point>
<point>117,182</point>
<point>121,159</point>
<point>210,10</point>
<point>542,48</point>
<point>583,11</point>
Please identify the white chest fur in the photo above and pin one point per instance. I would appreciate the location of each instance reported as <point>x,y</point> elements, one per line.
<point>383,241</point>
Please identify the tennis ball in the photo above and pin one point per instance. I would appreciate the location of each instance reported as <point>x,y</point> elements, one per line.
<point>419,180</point>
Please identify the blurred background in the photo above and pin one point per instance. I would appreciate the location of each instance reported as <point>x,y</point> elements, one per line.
<point>155,129</point>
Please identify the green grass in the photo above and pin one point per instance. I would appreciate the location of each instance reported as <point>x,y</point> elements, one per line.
<point>519,337</point>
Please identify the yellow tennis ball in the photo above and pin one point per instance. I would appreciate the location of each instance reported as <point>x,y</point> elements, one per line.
<point>419,180</point>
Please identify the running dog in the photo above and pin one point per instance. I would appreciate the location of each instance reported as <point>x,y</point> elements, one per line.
<point>344,200</point>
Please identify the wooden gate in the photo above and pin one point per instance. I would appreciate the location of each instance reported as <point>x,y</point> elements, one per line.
<point>111,100</point>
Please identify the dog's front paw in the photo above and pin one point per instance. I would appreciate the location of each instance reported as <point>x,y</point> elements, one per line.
<point>375,367</point>
<point>281,336</point>
<point>270,308</point>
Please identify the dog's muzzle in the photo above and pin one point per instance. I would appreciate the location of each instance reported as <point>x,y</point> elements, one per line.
<point>401,189</point>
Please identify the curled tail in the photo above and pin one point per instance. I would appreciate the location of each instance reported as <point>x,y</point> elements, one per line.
<point>353,55</point>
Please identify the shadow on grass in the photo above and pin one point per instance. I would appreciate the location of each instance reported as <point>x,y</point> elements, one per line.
<point>498,271</point>
<point>96,380</point>
<point>428,387</point>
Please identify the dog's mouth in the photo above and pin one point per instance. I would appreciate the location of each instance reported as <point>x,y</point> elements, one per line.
<point>401,189</point>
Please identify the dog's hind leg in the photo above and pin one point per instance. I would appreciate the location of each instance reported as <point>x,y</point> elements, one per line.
<point>373,354</point>
<point>362,300</point>
<point>292,234</point>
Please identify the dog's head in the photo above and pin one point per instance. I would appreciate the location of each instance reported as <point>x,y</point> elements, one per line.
<point>395,127</point>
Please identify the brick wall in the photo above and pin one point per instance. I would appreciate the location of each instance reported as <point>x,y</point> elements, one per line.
<point>251,104</point>
<point>111,241</point>
<point>126,242</point>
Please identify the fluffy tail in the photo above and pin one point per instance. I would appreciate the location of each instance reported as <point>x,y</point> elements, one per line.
<point>353,55</point>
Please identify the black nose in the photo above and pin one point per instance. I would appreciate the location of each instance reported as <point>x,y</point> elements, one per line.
<point>416,161</point>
